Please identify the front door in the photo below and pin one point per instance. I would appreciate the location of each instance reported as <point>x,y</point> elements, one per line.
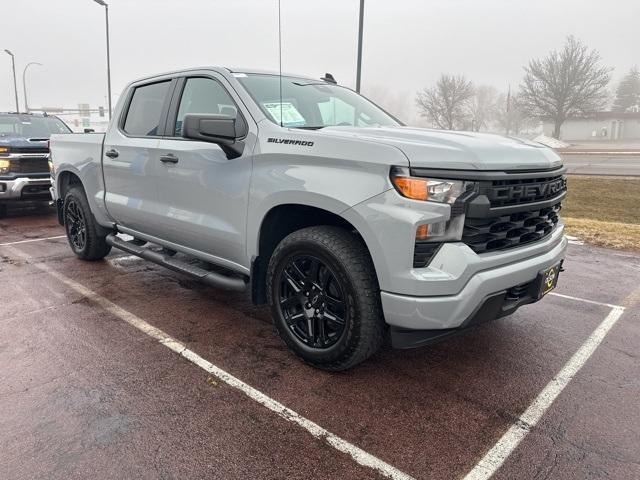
<point>203,194</point>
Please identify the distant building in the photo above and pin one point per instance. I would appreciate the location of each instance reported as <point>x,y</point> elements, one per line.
<point>599,126</point>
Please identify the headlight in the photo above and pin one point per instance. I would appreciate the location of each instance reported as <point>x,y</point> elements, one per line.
<point>5,165</point>
<point>4,151</point>
<point>427,189</point>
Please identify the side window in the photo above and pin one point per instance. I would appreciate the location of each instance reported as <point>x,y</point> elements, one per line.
<point>204,95</point>
<point>143,117</point>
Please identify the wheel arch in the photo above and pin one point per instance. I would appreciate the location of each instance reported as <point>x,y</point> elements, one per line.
<point>64,181</point>
<point>282,220</point>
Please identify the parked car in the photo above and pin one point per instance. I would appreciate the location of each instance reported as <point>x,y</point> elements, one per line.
<point>351,226</point>
<point>24,157</point>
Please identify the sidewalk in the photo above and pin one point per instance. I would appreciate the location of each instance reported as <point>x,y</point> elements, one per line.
<point>602,147</point>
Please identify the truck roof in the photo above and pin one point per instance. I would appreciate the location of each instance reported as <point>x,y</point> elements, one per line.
<point>224,71</point>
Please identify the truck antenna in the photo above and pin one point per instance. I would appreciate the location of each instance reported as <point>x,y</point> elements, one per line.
<point>280,57</point>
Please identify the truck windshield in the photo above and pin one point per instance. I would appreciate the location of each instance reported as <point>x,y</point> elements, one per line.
<point>312,103</point>
<point>28,126</point>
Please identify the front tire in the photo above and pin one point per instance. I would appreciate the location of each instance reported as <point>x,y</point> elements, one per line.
<point>324,297</point>
<point>83,232</point>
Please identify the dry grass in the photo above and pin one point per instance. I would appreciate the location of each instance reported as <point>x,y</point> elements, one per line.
<point>624,236</point>
<point>604,211</point>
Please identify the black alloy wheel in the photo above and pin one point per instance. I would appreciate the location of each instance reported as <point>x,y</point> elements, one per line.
<point>312,301</point>
<point>86,238</point>
<point>324,297</point>
<point>76,225</point>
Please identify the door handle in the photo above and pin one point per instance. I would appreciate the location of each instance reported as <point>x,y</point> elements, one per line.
<point>111,153</point>
<point>169,158</point>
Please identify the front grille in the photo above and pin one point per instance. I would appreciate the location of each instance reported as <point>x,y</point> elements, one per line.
<point>506,192</point>
<point>30,165</point>
<point>508,231</point>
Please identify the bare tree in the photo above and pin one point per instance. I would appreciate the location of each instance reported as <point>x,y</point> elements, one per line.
<point>565,84</point>
<point>483,107</point>
<point>446,104</point>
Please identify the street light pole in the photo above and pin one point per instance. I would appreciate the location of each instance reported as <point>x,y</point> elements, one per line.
<point>106,14</point>
<point>359,67</point>
<point>24,84</point>
<point>15,84</point>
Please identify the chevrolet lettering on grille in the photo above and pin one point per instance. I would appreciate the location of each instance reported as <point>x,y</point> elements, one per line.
<point>530,191</point>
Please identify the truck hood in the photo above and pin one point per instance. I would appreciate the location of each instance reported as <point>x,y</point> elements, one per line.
<point>444,149</point>
<point>17,141</point>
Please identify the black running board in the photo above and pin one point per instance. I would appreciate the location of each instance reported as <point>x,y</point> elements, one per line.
<point>211,278</point>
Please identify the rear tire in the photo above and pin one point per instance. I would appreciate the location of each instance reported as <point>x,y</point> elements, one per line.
<point>324,297</point>
<point>83,232</point>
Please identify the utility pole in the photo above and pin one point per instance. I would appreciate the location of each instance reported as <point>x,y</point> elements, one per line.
<point>106,13</point>
<point>24,84</point>
<point>15,84</point>
<point>360,27</point>
<point>509,110</point>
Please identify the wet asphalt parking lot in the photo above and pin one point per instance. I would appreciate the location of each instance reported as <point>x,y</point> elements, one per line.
<point>121,369</point>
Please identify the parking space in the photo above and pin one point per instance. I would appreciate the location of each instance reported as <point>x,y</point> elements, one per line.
<point>89,388</point>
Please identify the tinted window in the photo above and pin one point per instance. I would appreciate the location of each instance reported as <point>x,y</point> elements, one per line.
<point>143,117</point>
<point>204,95</point>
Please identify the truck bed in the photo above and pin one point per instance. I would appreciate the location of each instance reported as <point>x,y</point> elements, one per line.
<point>76,149</point>
<point>80,154</point>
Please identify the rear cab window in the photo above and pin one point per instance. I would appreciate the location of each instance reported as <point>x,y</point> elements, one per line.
<point>145,109</point>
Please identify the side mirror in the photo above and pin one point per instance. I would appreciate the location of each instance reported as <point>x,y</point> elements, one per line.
<point>219,129</point>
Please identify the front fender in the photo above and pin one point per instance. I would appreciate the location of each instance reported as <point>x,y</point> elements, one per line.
<point>258,213</point>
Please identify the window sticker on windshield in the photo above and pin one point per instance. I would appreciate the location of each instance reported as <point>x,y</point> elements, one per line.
<point>291,117</point>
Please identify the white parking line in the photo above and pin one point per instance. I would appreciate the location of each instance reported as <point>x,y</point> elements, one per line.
<point>584,300</point>
<point>494,458</point>
<point>32,240</point>
<point>356,453</point>
<point>574,240</point>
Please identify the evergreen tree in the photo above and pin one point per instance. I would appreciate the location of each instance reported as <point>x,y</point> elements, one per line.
<point>628,92</point>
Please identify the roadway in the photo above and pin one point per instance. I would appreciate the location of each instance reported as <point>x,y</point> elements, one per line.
<point>592,163</point>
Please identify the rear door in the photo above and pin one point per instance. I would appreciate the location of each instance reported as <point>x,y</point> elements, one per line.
<point>203,194</point>
<point>131,156</point>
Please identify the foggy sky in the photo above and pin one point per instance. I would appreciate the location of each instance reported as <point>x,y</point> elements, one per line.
<point>407,43</point>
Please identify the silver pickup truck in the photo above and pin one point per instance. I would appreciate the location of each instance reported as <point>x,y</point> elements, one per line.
<point>351,226</point>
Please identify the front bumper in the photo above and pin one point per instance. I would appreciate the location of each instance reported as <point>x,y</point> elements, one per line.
<point>25,188</point>
<point>473,302</point>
